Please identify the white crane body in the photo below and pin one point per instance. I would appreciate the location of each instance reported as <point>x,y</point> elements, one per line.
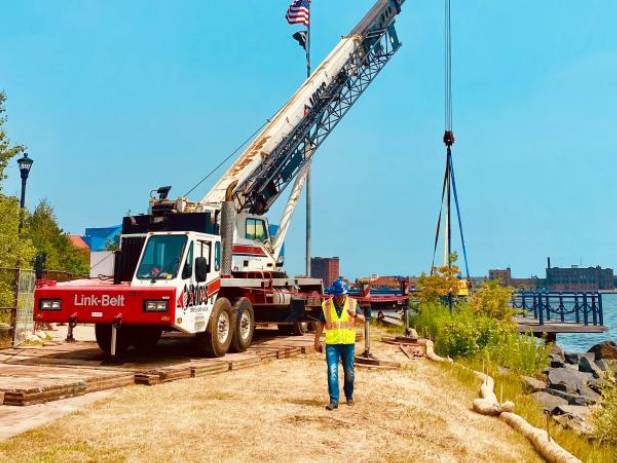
<point>211,268</point>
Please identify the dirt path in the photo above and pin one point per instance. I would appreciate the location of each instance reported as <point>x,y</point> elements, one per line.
<point>276,412</point>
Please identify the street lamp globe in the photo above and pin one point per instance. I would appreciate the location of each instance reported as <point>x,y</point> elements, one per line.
<point>25,164</point>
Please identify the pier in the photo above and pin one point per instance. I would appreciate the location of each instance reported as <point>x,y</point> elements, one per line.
<point>548,313</point>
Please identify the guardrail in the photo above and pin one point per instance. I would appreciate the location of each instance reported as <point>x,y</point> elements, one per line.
<point>565,307</point>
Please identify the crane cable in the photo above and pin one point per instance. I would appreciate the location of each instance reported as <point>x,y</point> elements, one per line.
<point>227,158</point>
<point>449,182</point>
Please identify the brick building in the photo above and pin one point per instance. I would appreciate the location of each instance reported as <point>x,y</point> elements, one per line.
<point>503,275</point>
<point>577,278</point>
<point>326,268</point>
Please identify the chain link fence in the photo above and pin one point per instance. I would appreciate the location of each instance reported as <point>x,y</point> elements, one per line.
<point>17,302</point>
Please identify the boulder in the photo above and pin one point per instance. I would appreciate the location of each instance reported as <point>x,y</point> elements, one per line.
<point>572,357</point>
<point>533,384</point>
<point>549,401</point>
<point>574,417</point>
<point>606,350</point>
<point>574,382</point>
<point>556,361</point>
<point>572,399</point>
<point>556,350</point>
<point>606,365</point>
<point>586,365</point>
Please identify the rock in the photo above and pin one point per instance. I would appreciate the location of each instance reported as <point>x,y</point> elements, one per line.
<point>572,399</point>
<point>558,351</point>
<point>533,383</point>
<point>556,361</point>
<point>549,401</point>
<point>5,327</point>
<point>503,370</point>
<point>574,417</point>
<point>606,365</point>
<point>572,357</point>
<point>574,382</point>
<point>606,350</point>
<point>41,334</point>
<point>589,366</point>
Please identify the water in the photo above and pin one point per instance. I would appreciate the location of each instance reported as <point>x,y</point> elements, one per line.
<point>582,342</point>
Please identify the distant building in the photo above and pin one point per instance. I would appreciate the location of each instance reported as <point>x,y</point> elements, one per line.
<point>572,278</point>
<point>577,278</point>
<point>503,275</point>
<point>326,268</point>
<point>79,242</point>
<point>389,282</point>
<point>97,239</point>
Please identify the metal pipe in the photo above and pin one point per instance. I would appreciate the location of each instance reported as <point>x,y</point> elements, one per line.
<point>307,149</point>
<point>228,219</point>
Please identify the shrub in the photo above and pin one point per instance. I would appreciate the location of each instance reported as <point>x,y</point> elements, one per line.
<point>492,300</point>
<point>604,415</point>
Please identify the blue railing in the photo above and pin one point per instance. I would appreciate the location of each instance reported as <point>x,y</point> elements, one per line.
<point>565,307</point>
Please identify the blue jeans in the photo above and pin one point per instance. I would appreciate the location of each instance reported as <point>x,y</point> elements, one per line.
<point>333,353</point>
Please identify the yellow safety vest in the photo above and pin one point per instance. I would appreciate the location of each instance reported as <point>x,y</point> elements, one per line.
<point>339,330</point>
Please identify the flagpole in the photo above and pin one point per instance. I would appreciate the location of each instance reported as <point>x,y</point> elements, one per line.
<point>308,175</point>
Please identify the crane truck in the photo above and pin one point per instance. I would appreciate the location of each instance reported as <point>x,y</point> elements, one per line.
<point>211,268</point>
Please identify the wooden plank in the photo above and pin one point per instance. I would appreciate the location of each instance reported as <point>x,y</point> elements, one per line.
<point>244,363</point>
<point>209,369</point>
<point>30,391</point>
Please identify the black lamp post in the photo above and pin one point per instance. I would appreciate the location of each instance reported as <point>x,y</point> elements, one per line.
<point>25,164</point>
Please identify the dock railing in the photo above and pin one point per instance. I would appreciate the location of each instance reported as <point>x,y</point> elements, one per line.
<point>582,308</point>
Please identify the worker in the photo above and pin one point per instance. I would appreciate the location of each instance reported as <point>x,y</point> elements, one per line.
<point>339,316</point>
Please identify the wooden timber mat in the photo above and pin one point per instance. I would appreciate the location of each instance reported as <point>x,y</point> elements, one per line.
<point>33,375</point>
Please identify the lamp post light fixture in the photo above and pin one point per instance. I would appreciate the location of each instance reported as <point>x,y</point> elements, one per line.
<point>25,164</point>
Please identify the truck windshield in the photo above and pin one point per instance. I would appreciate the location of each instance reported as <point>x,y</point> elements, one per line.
<point>162,257</point>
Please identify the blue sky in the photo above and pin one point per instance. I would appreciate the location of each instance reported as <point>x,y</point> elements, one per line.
<point>115,98</point>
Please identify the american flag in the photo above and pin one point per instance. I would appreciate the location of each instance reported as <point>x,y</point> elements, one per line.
<point>299,12</point>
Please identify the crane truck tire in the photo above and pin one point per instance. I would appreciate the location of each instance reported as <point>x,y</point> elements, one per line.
<point>215,341</point>
<point>102,332</point>
<point>243,324</point>
<point>294,329</point>
<point>146,337</point>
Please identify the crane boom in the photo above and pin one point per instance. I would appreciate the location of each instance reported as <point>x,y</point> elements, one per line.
<point>288,141</point>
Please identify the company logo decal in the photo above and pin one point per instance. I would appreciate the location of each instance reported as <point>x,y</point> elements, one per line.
<point>104,300</point>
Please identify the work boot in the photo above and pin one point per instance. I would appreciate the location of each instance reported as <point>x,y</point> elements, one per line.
<point>349,402</point>
<point>331,406</point>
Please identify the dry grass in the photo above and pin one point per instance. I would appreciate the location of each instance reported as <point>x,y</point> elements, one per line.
<point>276,412</point>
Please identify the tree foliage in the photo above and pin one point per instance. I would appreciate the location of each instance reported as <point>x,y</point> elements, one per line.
<point>49,239</point>
<point>492,300</point>
<point>440,283</point>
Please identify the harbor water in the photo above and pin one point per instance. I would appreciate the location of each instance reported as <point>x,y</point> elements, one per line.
<point>582,342</point>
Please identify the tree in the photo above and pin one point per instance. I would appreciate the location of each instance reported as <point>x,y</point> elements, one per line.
<point>492,300</point>
<point>49,239</point>
<point>440,283</point>
<point>7,149</point>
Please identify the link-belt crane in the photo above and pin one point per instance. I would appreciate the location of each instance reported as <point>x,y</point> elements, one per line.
<point>211,268</point>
